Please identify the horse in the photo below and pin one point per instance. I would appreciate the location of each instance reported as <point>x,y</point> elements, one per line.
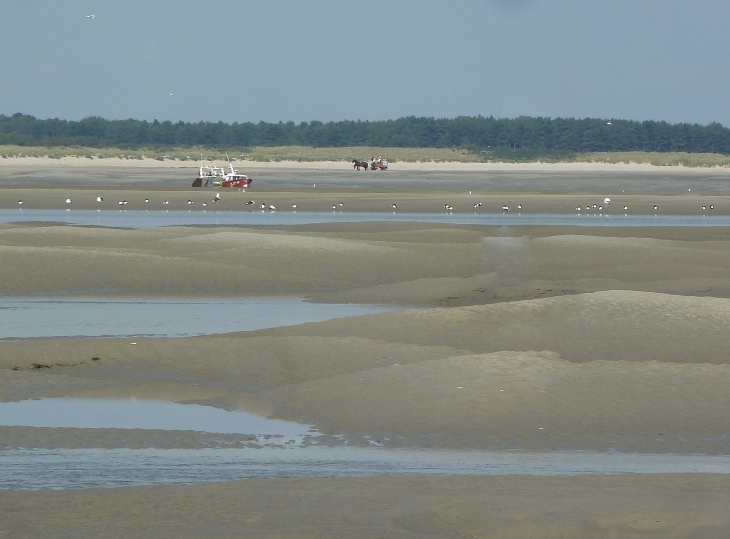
<point>359,164</point>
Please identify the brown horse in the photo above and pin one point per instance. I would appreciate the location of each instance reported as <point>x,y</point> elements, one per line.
<point>359,164</point>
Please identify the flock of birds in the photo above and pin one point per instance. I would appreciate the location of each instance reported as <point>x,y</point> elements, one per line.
<point>448,207</point>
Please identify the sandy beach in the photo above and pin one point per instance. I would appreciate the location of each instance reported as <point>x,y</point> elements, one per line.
<point>537,338</point>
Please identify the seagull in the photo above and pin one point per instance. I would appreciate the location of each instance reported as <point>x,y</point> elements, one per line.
<point>68,201</point>
<point>519,206</point>
<point>577,208</point>
<point>595,206</point>
<point>607,201</point>
<point>655,207</point>
<point>588,208</point>
<point>704,208</point>
<point>90,16</point>
<point>20,202</point>
<point>120,203</point>
<point>294,206</point>
<point>99,199</point>
<point>250,203</point>
<point>263,206</point>
<point>146,200</point>
<point>204,204</point>
<point>166,202</point>
<point>272,207</point>
<point>334,207</point>
<point>341,204</point>
<point>394,206</point>
<point>217,197</point>
<point>505,208</point>
<point>626,208</point>
<point>600,208</point>
<point>189,202</point>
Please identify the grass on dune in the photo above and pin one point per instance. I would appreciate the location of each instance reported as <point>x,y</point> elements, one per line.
<point>411,155</point>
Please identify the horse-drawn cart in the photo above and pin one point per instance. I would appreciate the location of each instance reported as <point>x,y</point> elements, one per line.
<point>374,164</point>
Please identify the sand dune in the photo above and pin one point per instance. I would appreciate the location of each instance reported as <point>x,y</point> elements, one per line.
<point>393,263</point>
<point>610,325</point>
<point>526,400</point>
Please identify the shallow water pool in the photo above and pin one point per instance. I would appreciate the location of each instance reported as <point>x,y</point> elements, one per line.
<point>141,414</point>
<point>92,317</point>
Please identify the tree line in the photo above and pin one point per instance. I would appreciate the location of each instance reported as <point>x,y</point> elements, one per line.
<point>474,133</point>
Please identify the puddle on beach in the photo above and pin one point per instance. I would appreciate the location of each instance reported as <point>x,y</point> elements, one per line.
<point>157,218</point>
<point>90,317</point>
<point>142,414</point>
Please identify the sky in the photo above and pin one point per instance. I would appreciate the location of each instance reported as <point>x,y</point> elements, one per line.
<point>331,60</point>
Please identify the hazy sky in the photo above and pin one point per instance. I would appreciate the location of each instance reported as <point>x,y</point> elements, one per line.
<point>239,60</point>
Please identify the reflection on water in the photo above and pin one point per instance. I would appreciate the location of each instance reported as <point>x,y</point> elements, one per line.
<point>141,414</point>
<point>156,218</point>
<point>87,468</point>
<point>89,317</point>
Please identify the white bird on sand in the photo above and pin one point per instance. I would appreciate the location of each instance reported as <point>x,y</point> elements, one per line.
<point>204,204</point>
<point>189,202</point>
<point>655,207</point>
<point>341,204</point>
<point>505,208</point>
<point>595,206</point>
<point>217,197</point>
<point>704,208</point>
<point>334,207</point>
<point>626,208</point>
<point>68,201</point>
<point>99,199</point>
<point>146,200</point>
<point>519,206</point>
<point>166,202</point>
<point>263,206</point>
<point>90,16</point>
<point>250,203</point>
<point>120,203</point>
<point>20,202</point>
<point>272,207</point>
<point>577,208</point>
<point>394,206</point>
<point>607,201</point>
<point>712,207</point>
<point>294,206</point>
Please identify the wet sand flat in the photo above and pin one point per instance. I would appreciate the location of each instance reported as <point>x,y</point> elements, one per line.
<point>539,338</point>
<point>627,506</point>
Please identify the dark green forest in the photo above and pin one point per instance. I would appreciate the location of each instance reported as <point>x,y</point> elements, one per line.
<point>473,133</point>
